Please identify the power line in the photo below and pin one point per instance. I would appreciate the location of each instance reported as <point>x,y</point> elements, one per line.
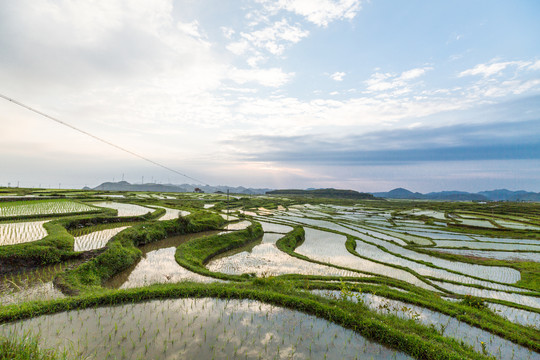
<point>98,138</point>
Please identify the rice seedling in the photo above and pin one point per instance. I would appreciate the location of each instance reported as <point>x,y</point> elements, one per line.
<point>42,207</point>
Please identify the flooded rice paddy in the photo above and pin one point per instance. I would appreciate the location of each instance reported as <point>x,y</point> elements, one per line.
<point>499,255</point>
<point>520,299</point>
<point>21,232</point>
<point>125,209</point>
<point>486,245</point>
<point>32,285</point>
<point>43,207</point>
<point>198,328</point>
<point>171,214</point>
<point>96,239</point>
<point>330,248</point>
<point>518,316</point>
<point>448,326</point>
<point>387,244</point>
<point>158,265</point>
<point>241,225</point>
<point>265,259</point>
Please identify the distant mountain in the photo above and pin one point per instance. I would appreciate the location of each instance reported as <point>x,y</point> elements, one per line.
<point>126,186</point>
<point>507,195</point>
<point>455,196</point>
<point>399,193</point>
<point>324,193</point>
<point>494,195</point>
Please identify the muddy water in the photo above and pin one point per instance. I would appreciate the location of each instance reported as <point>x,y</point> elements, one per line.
<point>198,329</point>
<point>158,265</point>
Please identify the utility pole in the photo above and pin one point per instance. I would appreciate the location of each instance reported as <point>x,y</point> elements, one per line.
<point>227,204</point>
<point>122,176</point>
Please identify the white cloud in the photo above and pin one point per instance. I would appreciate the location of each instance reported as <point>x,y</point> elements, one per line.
<point>535,65</point>
<point>388,81</point>
<point>487,70</point>
<point>227,32</point>
<point>273,77</point>
<point>276,37</point>
<point>238,47</point>
<point>413,73</point>
<point>190,28</point>
<point>254,61</point>
<point>337,76</point>
<point>319,12</point>
<point>378,82</point>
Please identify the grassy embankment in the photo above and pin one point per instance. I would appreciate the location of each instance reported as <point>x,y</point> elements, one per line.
<point>194,254</point>
<point>481,318</point>
<point>122,251</point>
<point>26,348</point>
<point>57,246</point>
<point>403,335</point>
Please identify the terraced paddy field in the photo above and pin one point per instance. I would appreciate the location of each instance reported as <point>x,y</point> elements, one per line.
<point>125,209</point>
<point>42,207</point>
<point>21,232</point>
<point>166,277</point>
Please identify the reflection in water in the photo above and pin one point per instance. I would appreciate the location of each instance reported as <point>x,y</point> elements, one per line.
<point>158,265</point>
<point>451,327</point>
<point>519,316</point>
<point>32,285</point>
<point>201,329</point>
<point>275,228</point>
<point>265,259</point>
<point>521,299</point>
<point>21,232</point>
<point>330,247</point>
<point>237,226</point>
<point>171,214</point>
<point>96,239</point>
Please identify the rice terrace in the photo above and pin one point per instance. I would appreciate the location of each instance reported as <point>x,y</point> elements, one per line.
<point>269,179</point>
<point>143,275</point>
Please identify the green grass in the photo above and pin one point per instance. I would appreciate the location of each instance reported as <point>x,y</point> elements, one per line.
<point>404,335</point>
<point>530,271</point>
<point>286,290</point>
<point>25,348</point>
<point>194,254</point>
<point>57,246</point>
<point>122,251</point>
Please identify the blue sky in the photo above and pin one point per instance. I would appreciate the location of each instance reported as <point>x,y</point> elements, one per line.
<point>367,95</point>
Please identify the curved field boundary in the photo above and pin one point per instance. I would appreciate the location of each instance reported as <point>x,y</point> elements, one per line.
<point>121,251</point>
<point>415,339</point>
<point>478,317</point>
<point>422,277</point>
<point>57,246</point>
<point>40,206</point>
<point>194,254</point>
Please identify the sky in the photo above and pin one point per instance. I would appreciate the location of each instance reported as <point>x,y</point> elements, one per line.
<point>350,94</point>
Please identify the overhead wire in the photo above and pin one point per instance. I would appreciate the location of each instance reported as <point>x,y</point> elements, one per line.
<point>98,138</point>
